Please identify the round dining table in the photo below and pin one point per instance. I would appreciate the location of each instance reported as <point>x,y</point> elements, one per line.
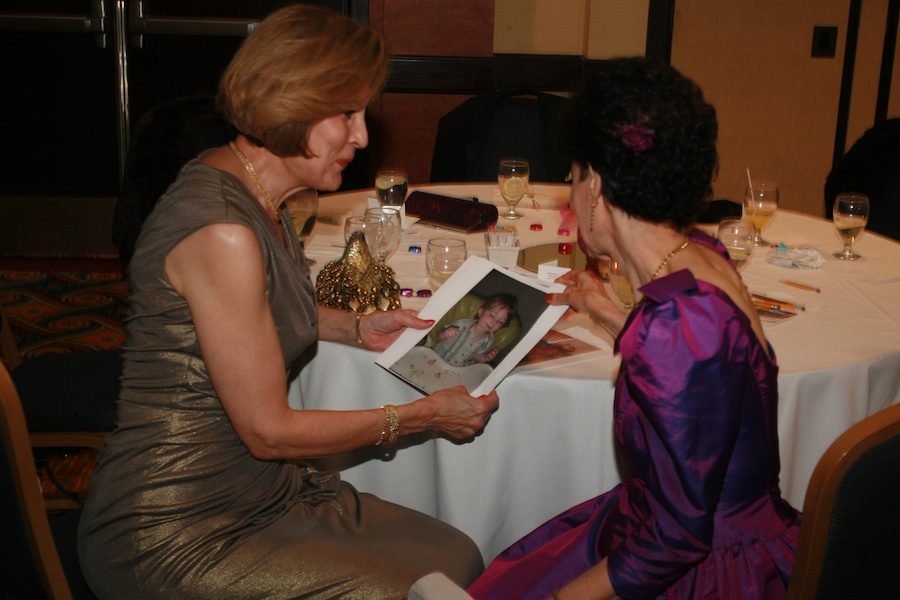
<point>551,445</point>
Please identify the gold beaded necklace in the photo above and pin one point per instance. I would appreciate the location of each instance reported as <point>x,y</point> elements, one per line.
<point>669,257</point>
<point>273,210</point>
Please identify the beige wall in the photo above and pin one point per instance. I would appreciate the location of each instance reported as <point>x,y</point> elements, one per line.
<point>590,28</point>
<point>777,106</point>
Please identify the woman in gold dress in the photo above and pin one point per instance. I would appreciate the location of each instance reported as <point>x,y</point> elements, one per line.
<point>201,491</point>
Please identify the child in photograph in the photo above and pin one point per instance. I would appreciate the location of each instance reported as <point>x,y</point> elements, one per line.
<point>470,340</point>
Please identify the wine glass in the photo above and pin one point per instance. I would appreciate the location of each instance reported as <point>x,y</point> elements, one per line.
<point>512,175</point>
<point>304,208</point>
<point>760,204</point>
<point>851,213</point>
<point>369,226</point>
<point>620,285</point>
<point>391,186</point>
<point>386,241</point>
<point>737,235</point>
<point>443,257</point>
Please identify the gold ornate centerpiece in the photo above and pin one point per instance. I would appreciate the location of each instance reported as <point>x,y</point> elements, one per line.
<point>357,282</point>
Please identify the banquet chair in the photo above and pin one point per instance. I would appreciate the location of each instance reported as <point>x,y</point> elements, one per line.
<point>70,391</point>
<point>473,137</point>
<point>849,545</point>
<point>38,557</point>
<point>8,346</point>
<point>164,139</point>
<point>720,208</point>
<point>871,167</point>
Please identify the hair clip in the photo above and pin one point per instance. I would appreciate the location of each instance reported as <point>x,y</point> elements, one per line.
<point>636,137</point>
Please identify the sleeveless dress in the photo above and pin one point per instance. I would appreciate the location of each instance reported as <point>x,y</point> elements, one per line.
<point>700,516</point>
<point>178,507</point>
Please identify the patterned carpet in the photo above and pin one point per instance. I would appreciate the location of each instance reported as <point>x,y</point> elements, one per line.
<point>63,311</point>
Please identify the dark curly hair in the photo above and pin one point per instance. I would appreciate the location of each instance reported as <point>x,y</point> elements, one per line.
<point>646,129</point>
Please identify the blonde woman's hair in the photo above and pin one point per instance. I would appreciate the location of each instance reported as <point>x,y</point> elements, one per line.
<point>300,65</point>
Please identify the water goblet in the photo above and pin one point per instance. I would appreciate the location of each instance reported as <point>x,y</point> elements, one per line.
<point>443,257</point>
<point>369,226</point>
<point>737,235</point>
<point>512,176</point>
<point>851,213</point>
<point>760,204</point>
<point>391,186</point>
<point>386,241</point>
<point>620,285</point>
<point>303,206</point>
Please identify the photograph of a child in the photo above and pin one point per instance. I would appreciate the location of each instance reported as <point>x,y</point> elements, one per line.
<point>474,335</point>
<point>470,340</point>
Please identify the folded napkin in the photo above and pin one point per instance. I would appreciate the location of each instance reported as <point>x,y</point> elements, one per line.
<point>797,258</point>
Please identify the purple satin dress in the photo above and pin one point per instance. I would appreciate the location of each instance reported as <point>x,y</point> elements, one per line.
<point>701,514</point>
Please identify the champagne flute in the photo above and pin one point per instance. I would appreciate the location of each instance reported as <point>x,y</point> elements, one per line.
<point>389,237</point>
<point>443,257</point>
<point>760,204</point>
<point>512,175</point>
<point>620,285</point>
<point>391,186</point>
<point>851,213</point>
<point>304,208</point>
<point>737,235</point>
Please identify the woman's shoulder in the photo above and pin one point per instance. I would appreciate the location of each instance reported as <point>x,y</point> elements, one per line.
<point>204,194</point>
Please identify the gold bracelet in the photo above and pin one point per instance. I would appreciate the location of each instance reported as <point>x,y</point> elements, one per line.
<point>359,340</point>
<point>390,430</point>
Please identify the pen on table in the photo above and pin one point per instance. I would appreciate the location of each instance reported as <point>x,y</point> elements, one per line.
<point>800,286</point>
<point>779,303</point>
<point>771,309</point>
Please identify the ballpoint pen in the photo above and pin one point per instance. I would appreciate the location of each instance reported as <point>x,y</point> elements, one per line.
<point>781,304</point>
<point>800,286</point>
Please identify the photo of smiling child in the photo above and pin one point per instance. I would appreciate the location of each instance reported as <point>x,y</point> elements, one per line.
<point>484,324</point>
<point>470,340</point>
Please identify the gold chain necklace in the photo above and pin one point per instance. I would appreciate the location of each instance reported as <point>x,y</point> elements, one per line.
<point>669,257</point>
<point>273,210</point>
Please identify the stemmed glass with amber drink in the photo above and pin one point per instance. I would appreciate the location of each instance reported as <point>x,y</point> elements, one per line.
<point>760,204</point>
<point>851,214</point>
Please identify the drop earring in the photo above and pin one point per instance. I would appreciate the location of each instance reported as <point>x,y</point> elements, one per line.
<point>593,208</point>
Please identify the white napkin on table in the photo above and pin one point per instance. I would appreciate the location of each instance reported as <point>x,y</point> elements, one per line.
<point>797,258</point>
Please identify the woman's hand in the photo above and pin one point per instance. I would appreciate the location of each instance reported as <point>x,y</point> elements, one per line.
<point>379,329</point>
<point>451,411</point>
<point>585,293</point>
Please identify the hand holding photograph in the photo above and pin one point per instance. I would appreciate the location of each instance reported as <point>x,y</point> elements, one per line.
<point>486,320</point>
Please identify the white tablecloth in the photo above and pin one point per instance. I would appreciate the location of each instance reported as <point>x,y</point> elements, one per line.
<point>550,445</point>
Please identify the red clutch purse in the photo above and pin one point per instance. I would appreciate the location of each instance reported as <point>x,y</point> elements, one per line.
<point>458,214</point>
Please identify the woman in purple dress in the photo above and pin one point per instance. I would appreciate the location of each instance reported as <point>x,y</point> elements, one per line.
<point>701,514</point>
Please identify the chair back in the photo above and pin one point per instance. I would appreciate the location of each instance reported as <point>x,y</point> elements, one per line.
<point>720,208</point>
<point>472,138</point>
<point>871,167</point>
<point>8,345</point>
<point>849,544</point>
<point>29,563</point>
<point>164,139</point>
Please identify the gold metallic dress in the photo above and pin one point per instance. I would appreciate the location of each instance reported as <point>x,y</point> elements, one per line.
<point>179,508</point>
